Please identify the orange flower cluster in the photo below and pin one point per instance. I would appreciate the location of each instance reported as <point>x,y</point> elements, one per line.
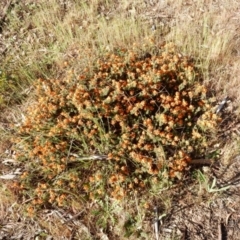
<point>145,112</point>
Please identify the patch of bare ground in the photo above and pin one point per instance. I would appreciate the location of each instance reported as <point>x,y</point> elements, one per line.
<point>194,209</point>
<point>200,214</point>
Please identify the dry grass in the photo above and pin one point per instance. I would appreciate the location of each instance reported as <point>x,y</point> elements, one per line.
<point>209,30</point>
<point>42,38</point>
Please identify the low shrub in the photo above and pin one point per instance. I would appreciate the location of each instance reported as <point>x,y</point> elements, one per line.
<point>136,118</point>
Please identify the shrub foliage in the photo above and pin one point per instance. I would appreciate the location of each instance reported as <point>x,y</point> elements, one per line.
<point>141,113</point>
